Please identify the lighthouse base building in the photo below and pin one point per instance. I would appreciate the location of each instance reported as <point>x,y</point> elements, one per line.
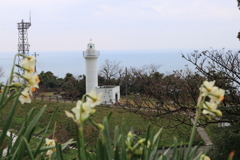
<point>111,94</point>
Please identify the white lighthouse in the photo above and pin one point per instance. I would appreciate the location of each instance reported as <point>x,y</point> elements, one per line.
<point>111,94</point>
<point>91,65</point>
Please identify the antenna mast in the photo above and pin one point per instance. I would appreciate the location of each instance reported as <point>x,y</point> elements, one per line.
<point>23,46</point>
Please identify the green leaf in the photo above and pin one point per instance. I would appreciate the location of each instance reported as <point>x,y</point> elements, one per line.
<point>7,123</point>
<point>123,155</point>
<point>59,152</point>
<point>116,143</point>
<point>109,115</point>
<point>107,139</point>
<point>28,149</point>
<point>42,140</point>
<point>157,136</point>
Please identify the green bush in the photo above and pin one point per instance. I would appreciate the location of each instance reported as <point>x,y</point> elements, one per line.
<point>225,140</point>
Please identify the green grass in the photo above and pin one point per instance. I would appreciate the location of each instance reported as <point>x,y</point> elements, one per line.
<point>65,127</point>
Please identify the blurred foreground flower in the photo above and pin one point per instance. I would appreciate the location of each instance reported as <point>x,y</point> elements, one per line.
<point>94,98</point>
<point>29,63</point>
<point>206,87</point>
<point>50,142</point>
<point>211,108</point>
<point>82,111</point>
<point>32,79</point>
<point>231,155</point>
<point>215,94</point>
<point>204,157</point>
<point>25,97</point>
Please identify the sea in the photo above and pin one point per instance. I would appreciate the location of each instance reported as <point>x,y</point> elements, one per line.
<point>62,62</point>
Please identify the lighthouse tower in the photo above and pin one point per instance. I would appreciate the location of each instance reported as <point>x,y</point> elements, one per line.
<point>91,65</point>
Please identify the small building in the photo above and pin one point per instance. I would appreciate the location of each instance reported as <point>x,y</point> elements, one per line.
<point>111,94</point>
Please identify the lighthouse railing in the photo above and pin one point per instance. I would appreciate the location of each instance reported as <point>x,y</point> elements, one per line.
<point>95,54</point>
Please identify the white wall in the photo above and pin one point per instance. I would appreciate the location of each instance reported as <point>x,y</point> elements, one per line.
<point>91,73</point>
<point>109,94</point>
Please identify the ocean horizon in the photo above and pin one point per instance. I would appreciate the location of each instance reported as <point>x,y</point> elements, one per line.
<point>62,62</point>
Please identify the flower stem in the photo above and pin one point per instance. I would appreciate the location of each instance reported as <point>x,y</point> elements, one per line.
<point>192,136</point>
<point>11,74</point>
<point>198,113</point>
<point>82,144</point>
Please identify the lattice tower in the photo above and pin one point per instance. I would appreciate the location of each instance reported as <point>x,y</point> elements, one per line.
<point>23,46</point>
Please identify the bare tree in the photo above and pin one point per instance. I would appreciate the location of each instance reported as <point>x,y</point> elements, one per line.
<point>224,67</point>
<point>165,100</point>
<point>111,70</point>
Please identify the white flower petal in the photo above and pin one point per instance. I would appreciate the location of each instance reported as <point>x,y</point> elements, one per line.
<point>95,99</point>
<point>25,97</point>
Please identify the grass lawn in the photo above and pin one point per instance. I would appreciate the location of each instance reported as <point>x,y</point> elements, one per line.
<point>65,129</point>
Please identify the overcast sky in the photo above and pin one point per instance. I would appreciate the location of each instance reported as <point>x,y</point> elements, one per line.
<point>67,25</point>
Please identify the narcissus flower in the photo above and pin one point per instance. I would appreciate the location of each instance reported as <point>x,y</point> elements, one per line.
<point>29,63</point>
<point>204,157</point>
<point>211,108</point>
<point>33,80</point>
<point>206,87</point>
<point>70,115</point>
<point>95,98</point>
<point>81,112</point>
<point>86,110</point>
<point>217,94</point>
<point>25,97</point>
<point>50,142</point>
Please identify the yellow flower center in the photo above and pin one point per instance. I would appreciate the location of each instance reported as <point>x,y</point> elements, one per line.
<point>209,89</point>
<point>94,99</point>
<point>52,144</point>
<point>26,96</point>
<point>83,110</point>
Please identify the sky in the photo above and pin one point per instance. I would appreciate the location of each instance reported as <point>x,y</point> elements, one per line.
<point>135,32</point>
<point>67,25</point>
